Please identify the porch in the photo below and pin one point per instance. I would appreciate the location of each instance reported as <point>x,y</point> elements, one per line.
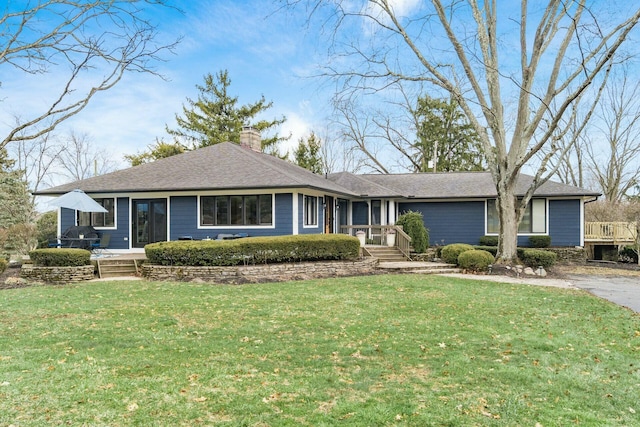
<point>610,233</point>
<point>373,236</point>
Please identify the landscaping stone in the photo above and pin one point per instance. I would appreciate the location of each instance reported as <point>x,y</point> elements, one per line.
<point>261,273</point>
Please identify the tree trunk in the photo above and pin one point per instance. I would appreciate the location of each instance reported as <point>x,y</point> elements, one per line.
<point>507,211</point>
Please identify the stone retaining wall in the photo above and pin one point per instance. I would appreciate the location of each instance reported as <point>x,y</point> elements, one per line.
<point>261,273</point>
<point>57,274</point>
<point>569,255</point>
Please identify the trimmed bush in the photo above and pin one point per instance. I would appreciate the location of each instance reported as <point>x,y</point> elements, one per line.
<point>537,257</point>
<point>450,253</point>
<point>475,260</point>
<point>493,250</point>
<point>3,265</point>
<point>539,241</point>
<point>489,241</point>
<point>53,257</point>
<point>413,224</point>
<point>254,250</point>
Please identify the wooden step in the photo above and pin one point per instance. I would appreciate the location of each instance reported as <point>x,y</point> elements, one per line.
<point>386,253</point>
<point>117,267</point>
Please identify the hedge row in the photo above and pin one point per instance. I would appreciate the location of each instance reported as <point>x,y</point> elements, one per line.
<point>533,258</point>
<point>543,241</point>
<point>54,257</point>
<point>253,250</point>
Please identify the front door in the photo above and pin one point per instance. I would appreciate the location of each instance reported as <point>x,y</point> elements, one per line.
<point>149,221</point>
<point>328,215</point>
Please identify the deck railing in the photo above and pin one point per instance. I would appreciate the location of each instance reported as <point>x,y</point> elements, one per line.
<point>615,232</point>
<point>379,235</point>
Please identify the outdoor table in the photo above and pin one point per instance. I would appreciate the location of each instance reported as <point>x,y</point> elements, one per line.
<point>77,242</point>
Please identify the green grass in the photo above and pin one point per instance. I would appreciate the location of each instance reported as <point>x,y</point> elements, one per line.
<point>368,351</point>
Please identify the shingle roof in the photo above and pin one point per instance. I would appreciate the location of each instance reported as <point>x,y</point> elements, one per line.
<point>229,166</point>
<point>447,185</point>
<point>220,166</point>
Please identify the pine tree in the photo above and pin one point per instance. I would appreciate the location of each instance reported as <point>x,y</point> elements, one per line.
<point>215,116</point>
<point>444,129</point>
<point>307,154</point>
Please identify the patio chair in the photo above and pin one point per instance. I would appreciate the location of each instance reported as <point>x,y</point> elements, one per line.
<point>100,247</point>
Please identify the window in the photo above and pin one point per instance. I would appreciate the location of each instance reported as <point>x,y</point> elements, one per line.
<point>236,210</point>
<point>310,210</point>
<point>376,209</point>
<point>534,219</point>
<point>100,219</point>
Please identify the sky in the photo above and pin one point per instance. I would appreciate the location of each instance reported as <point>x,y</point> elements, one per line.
<point>266,52</point>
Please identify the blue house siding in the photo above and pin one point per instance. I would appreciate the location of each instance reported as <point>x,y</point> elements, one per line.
<point>183,215</point>
<point>184,220</point>
<point>67,219</point>
<point>450,222</point>
<point>316,229</point>
<point>564,222</point>
<point>360,213</point>
<point>120,236</point>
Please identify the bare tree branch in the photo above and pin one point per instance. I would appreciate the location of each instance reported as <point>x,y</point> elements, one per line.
<point>89,39</point>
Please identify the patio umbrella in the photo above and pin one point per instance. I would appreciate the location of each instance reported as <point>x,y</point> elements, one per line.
<point>79,201</point>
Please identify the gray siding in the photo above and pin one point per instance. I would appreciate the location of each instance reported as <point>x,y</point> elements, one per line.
<point>564,222</point>
<point>450,222</point>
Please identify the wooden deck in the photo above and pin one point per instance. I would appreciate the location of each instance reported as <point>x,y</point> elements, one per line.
<point>613,233</point>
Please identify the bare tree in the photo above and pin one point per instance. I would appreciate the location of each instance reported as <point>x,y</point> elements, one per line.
<point>356,128</point>
<point>615,162</point>
<point>94,43</point>
<point>78,160</point>
<point>515,92</point>
<point>37,158</point>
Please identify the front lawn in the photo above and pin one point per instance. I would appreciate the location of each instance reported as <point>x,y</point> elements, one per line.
<point>368,351</point>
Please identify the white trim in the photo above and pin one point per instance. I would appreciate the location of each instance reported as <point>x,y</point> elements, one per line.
<point>236,226</point>
<point>582,223</point>
<point>545,233</point>
<point>304,212</point>
<point>295,212</point>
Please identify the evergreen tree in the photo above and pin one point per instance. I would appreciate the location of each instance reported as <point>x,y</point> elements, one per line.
<point>216,117</point>
<point>444,129</point>
<point>159,150</point>
<point>307,154</point>
<point>15,199</point>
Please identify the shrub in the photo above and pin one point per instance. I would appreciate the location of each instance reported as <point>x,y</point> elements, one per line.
<point>413,224</point>
<point>475,260</point>
<point>539,241</point>
<point>493,250</point>
<point>537,257</point>
<point>47,228</point>
<point>450,253</point>
<point>489,241</point>
<point>628,254</point>
<point>53,257</point>
<point>254,250</point>
<point>3,265</point>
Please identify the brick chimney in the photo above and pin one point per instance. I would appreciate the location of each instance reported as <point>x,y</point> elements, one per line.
<point>250,138</point>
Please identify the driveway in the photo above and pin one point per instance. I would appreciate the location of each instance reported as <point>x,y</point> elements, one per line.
<point>622,290</point>
<point>616,286</point>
